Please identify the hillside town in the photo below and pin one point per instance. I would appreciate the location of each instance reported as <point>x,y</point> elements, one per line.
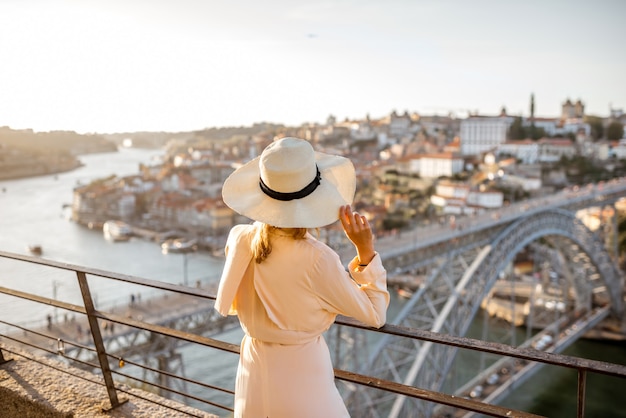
<point>411,169</point>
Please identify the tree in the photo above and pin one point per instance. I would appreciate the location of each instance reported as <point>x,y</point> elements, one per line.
<point>615,131</point>
<point>597,126</point>
<point>516,130</point>
<point>536,132</point>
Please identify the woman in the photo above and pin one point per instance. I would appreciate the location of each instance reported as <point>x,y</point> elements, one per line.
<point>287,287</point>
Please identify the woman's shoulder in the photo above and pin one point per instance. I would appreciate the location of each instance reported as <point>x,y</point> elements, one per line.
<point>319,247</point>
<point>242,232</point>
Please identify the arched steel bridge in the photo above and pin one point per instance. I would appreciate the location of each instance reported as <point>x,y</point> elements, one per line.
<point>458,265</point>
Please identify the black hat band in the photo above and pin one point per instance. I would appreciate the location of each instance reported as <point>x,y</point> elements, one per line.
<point>307,190</point>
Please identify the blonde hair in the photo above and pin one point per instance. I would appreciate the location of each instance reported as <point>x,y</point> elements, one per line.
<point>262,243</point>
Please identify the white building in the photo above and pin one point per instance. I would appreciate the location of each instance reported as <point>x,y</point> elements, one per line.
<point>434,165</point>
<point>362,131</point>
<point>486,199</point>
<point>549,125</point>
<point>399,124</point>
<point>459,198</point>
<point>525,150</point>
<point>437,165</point>
<point>574,126</point>
<point>526,183</point>
<point>483,133</point>
<point>553,149</point>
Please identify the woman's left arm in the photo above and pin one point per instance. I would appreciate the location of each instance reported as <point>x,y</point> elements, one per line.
<point>361,295</point>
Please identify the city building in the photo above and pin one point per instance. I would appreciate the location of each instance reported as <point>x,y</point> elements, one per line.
<point>480,134</point>
<point>553,149</point>
<point>460,199</point>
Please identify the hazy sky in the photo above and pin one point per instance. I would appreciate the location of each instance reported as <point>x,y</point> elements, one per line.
<point>180,65</point>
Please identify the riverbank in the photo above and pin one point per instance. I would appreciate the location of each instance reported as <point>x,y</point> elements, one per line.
<point>36,168</point>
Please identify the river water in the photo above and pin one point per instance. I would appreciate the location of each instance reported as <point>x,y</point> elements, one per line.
<point>32,212</point>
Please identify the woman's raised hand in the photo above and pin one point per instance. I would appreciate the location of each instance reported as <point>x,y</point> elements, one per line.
<point>358,231</point>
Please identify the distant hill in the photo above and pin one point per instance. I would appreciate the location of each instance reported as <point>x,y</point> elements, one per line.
<point>24,153</point>
<point>160,139</point>
<point>63,142</point>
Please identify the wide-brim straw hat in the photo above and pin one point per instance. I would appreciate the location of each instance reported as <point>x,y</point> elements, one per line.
<point>282,186</point>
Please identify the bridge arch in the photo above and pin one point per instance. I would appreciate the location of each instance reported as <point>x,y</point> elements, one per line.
<point>552,223</point>
<point>428,365</point>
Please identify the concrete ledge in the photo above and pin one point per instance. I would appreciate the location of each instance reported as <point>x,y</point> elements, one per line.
<point>29,389</point>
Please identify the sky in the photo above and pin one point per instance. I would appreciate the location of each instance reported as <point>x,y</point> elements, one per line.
<point>108,66</point>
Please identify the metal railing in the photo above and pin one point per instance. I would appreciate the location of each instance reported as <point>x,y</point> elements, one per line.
<point>93,315</point>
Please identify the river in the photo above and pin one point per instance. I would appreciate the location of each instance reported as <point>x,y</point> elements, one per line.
<point>32,212</point>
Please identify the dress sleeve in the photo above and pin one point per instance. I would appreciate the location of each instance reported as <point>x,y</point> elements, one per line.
<point>360,294</point>
<point>238,259</point>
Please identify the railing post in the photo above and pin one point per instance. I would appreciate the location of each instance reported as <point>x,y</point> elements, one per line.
<point>97,339</point>
<point>2,359</point>
<point>582,375</point>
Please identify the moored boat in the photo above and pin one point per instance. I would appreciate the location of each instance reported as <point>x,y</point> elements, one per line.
<point>117,231</point>
<point>179,245</point>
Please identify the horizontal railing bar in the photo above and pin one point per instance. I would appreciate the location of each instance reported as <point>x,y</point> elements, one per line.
<point>397,330</point>
<point>531,354</point>
<point>40,334</point>
<point>43,300</point>
<point>172,375</point>
<point>177,392</point>
<point>49,351</point>
<point>50,337</point>
<point>170,332</point>
<point>436,397</point>
<point>112,275</point>
<point>17,340</point>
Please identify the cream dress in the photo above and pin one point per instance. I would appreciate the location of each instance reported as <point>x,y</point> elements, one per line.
<point>284,305</point>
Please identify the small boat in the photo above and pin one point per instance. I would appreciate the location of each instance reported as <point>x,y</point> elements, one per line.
<point>35,249</point>
<point>179,245</point>
<point>117,231</point>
